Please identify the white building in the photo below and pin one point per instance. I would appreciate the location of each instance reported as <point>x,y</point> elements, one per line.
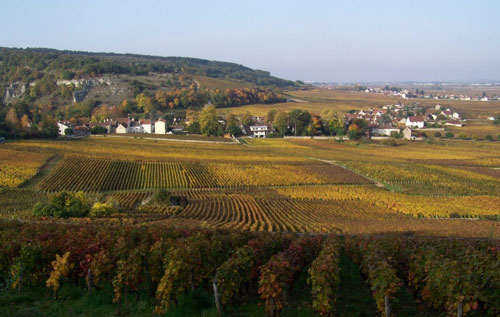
<point>160,126</point>
<point>122,128</point>
<point>147,126</point>
<point>259,131</point>
<point>415,122</point>
<point>63,125</point>
<point>134,127</point>
<point>385,130</point>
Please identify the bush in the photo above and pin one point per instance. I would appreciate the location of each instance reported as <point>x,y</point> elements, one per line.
<point>98,130</point>
<point>68,131</point>
<point>64,205</point>
<point>102,209</point>
<point>449,135</point>
<point>489,137</point>
<point>194,128</point>
<point>498,137</point>
<point>163,196</point>
<point>390,142</point>
<point>462,136</point>
<point>437,134</point>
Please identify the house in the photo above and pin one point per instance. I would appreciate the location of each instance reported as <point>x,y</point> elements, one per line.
<point>431,117</point>
<point>384,130</point>
<point>176,128</point>
<point>438,107</point>
<point>147,126</point>
<point>121,125</point>
<point>455,115</point>
<point>447,113</point>
<point>121,128</point>
<point>454,123</point>
<point>484,99</point>
<point>259,131</point>
<point>415,121</point>
<point>160,126</point>
<point>63,125</point>
<point>80,130</point>
<point>134,127</point>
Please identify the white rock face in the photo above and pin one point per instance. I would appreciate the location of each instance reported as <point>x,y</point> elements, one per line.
<point>15,90</point>
<point>84,85</point>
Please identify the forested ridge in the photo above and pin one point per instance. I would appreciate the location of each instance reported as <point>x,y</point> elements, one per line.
<point>30,64</point>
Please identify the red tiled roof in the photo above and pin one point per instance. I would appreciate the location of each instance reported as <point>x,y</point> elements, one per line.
<point>416,119</point>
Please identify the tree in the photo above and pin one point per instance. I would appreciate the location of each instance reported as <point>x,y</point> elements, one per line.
<point>98,130</point>
<point>489,137</point>
<point>144,102</point>
<point>48,127</point>
<point>231,120</point>
<point>194,127</point>
<point>299,120</point>
<point>209,124</point>
<point>247,119</point>
<point>12,118</point>
<point>449,135</point>
<point>316,125</point>
<point>68,131</point>
<point>440,117</point>
<point>270,116</point>
<point>281,122</point>
<point>336,124</point>
<point>234,130</point>
<point>25,121</point>
<point>437,134</point>
<point>354,132</point>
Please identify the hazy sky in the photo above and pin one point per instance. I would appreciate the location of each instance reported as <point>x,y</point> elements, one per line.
<point>307,40</point>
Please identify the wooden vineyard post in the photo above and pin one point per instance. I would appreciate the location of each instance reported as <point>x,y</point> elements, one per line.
<point>89,281</point>
<point>387,306</point>
<point>460,311</point>
<point>216,297</point>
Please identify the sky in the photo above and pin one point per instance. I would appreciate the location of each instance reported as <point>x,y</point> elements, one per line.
<point>329,41</point>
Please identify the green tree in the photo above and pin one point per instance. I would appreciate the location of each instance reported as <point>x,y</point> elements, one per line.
<point>68,131</point>
<point>209,124</point>
<point>270,116</point>
<point>281,122</point>
<point>299,120</point>
<point>194,127</point>
<point>247,119</point>
<point>449,135</point>
<point>234,130</point>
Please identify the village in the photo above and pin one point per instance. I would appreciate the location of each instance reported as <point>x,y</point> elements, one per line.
<point>409,122</point>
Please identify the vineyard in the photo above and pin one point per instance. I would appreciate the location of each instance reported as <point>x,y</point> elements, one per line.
<point>443,275</point>
<point>95,175</point>
<point>17,167</point>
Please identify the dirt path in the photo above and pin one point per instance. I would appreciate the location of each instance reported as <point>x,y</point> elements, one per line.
<point>163,139</point>
<point>42,172</point>
<point>377,183</point>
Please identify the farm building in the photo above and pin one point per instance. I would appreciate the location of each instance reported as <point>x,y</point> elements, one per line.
<point>259,131</point>
<point>415,122</point>
<point>160,126</point>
